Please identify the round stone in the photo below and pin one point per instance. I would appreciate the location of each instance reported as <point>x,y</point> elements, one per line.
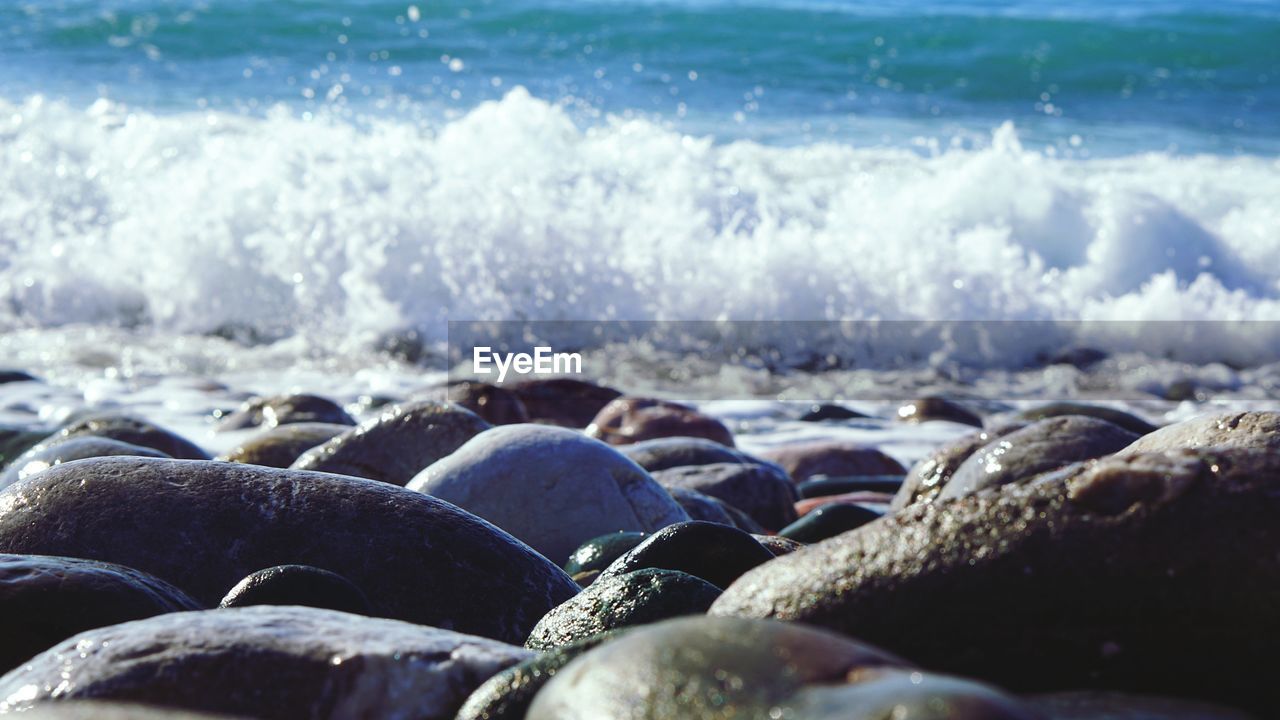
<point>298,585</point>
<point>563,401</point>
<point>832,458</point>
<point>934,407</point>
<point>42,457</point>
<point>635,419</point>
<point>829,521</point>
<point>670,452</point>
<point>1255,429</point>
<point>928,477</point>
<point>715,553</point>
<point>284,410</point>
<point>1126,420</point>
<point>598,553</point>
<point>496,405</point>
<point>281,446</point>
<point>134,431</point>
<point>763,492</point>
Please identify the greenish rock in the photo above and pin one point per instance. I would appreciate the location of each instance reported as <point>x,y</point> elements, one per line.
<point>715,553</point>
<point>829,521</point>
<point>598,553</point>
<point>636,598</point>
<point>508,695</point>
<point>397,444</point>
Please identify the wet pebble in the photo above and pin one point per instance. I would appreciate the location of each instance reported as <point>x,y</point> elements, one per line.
<point>298,585</point>
<point>629,420</point>
<point>763,492</point>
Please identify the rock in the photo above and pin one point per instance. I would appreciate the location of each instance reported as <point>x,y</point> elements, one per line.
<point>777,544</point>
<point>268,662</point>
<point>281,446</point>
<point>928,477</point>
<point>1081,358</point>
<point>549,486</point>
<point>635,419</point>
<point>860,497</point>
<point>1039,447</point>
<point>507,695</point>
<point>563,401</point>
<point>764,493</point>
<point>13,376</point>
<point>1117,573</point>
<point>741,520</point>
<point>1257,429</point>
<point>134,431</point>
<point>101,710</point>
<point>203,526</point>
<point>713,668</point>
<point>635,598</point>
<point>284,410</point>
<point>598,553</point>
<point>702,507</point>
<point>820,412</point>
<point>1118,706</point>
<point>45,600</point>
<point>498,406</point>
<point>43,457</point>
<point>669,452</point>
<point>829,521</point>
<point>396,445</point>
<point>934,407</point>
<point>1128,421</point>
<point>832,458</point>
<point>15,440</point>
<point>298,585</point>
<point>822,486</point>
<point>715,553</point>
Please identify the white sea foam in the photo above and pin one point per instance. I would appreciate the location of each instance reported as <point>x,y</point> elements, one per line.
<point>337,232</point>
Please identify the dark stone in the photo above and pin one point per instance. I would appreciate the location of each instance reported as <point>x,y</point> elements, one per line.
<point>829,521</point>
<point>702,507</point>
<point>822,486</point>
<point>860,497</point>
<point>284,410</point>
<point>636,598</point>
<point>832,458</point>
<point>298,585</point>
<point>599,553</point>
<point>281,446</point>
<point>507,695</point>
<point>42,457</point>
<point>1039,447</point>
<point>268,662</point>
<point>763,492</point>
<point>13,376</point>
<point>636,419</point>
<point>823,411</point>
<point>1128,421</point>
<point>563,401</point>
<point>45,600</point>
<point>670,452</point>
<point>1123,573</point>
<point>928,477</point>
<point>1086,705</point>
<point>715,668</point>
<point>777,544</point>
<point>934,407</point>
<point>1081,358</point>
<point>498,406</point>
<point>741,520</point>
<point>715,553</point>
<point>16,440</point>
<point>205,525</point>
<point>396,445</point>
<point>134,431</point>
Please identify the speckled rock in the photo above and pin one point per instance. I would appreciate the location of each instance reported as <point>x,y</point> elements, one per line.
<point>1118,706</point>
<point>498,406</point>
<point>669,452</point>
<point>396,445</point>
<point>43,457</point>
<point>507,695</point>
<point>269,662</point>
<point>1039,447</point>
<point>928,477</point>
<point>134,431</point>
<point>715,553</point>
<point>1257,429</point>
<point>281,446</point>
<point>284,410</point>
<point>563,401</point>
<point>1126,420</point>
<point>629,420</point>
<point>45,600</point>
<point>778,545</point>
<point>714,668</point>
<point>702,507</point>
<point>829,521</point>
<point>298,585</point>
<point>600,552</point>
<point>549,486</point>
<point>635,598</point>
<point>106,710</point>
<point>761,491</point>
<point>1122,572</point>
<point>834,458</point>
<point>934,407</point>
<point>203,526</point>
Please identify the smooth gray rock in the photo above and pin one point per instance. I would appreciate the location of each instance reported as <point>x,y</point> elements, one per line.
<point>763,492</point>
<point>203,526</point>
<point>268,662</point>
<point>552,487</point>
<point>669,452</point>
<point>396,445</point>
<point>42,457</point>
